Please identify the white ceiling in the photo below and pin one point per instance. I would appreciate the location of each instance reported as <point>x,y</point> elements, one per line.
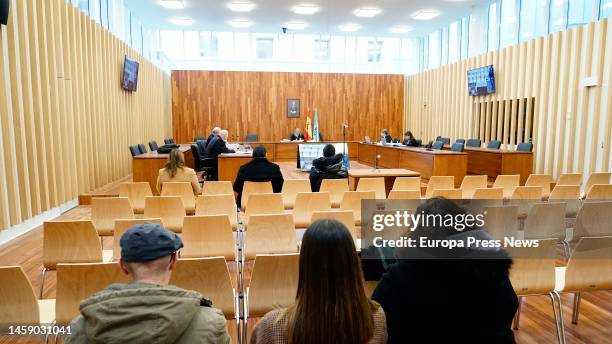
<point>270,15</point>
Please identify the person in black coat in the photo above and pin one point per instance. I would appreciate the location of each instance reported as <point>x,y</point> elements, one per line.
<point>328,167</point>
<point>466,299</point>
<point>297,135</point>
<point>258,170</point>
<point>215,133</point>
<point>409,140</point>
<point>385,136</point>
<point>216,146</point>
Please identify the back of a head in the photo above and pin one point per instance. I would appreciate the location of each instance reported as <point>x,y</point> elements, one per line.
<point>216,130</point>
<point>330,289</point>
<point>329,150</point>
<point>223,134</point>
<point>176,160</point>
<point>259,152</point>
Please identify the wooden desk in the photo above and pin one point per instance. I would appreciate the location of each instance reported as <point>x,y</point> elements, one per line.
<point>229,164</point>
<point>388,174</point>
<point>145,167</point>
<point>427,163</point>
<point>493,162</point>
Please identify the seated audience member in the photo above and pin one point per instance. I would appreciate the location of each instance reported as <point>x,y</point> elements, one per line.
<point>258,170</point>
<point>327,167</point>
<point>215,133</point>
<point>176,171</point>
<point>331,305</point>
<point>472,290</point>
<point>385,137</point>
<point>217,145</point>
<point>409,140</point>
<point>148,310</point>
<point>297,135</point>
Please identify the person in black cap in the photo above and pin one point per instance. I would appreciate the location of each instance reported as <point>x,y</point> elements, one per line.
<point>147,309</point>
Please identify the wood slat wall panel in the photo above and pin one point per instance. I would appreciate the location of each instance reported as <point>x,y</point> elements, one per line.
<point>256,102</point>
<point>65,122</point>
<point>571,124</point>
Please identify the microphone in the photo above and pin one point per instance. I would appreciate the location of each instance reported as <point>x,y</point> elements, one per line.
<point>345,126</point>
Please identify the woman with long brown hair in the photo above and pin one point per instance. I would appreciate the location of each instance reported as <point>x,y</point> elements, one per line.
<point>176,171</point>
<point>331,305</point>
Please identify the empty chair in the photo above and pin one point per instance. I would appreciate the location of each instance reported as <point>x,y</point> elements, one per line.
<point>291,187</point>
<point>169,209</point>
<point>501,221</point>
<point>153,146</point>
<point>545,220</point>
<point>600,191</point>
<point>473,143</point>
<point>77,282</point>
<point>570,179</point>
<point>462,141</point>
<point>533,273</point>
<point>199,138</point>
<point>444,140</point>
<point>596,178</point>
<point>201,147</point>
<point>264,204</point>
<point>527,193</point>
<point>69,242</point>
<point>254,187</point>
<point>218,205</point>
<point>439,182</point>
<point>570,194</point>
<point>589,269</point>
<point>270,234</point>
<point>404,194</point>
<point>494,144</point>
<point>217,188</point>
<point>471,183</point>
<point>352,201</point>
<point>105,210</point>
<point>344,216</point>
<point>447,193</point>
<point>336,189</point>
<point>141,148</point>
<point>18,303</point>
<point>252,138</point>
<point>197,158</point>
<point>457,147</point>
<point>208,236</point>
<point>122,226</point>
<point>508,182</point>
<point>438,145</point>
<point>541,180</point>
<point>407,184</point>
<point>306,203</point>
<point>593,219</point>
<point>209,277</point>
<point>134,150</point>
<point>183,190</point>
<point>489,193</point>
<point>136,194</point>
<point>169,141</point>
<point>524,147</point>
<point>373,184</point>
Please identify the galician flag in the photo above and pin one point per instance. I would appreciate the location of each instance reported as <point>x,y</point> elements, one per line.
<point>308,131</point>
<point>315,130</point>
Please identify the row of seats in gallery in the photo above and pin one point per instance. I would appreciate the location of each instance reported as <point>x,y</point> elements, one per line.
<point>460,144</point>
<point>140,148</point>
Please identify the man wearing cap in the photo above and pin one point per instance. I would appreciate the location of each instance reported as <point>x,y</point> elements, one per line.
<point>147,309</point>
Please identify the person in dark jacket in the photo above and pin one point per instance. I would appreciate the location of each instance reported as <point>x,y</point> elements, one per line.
<point>327,167</point>
<point>258,170</point>
<point>409,140</point>
<point>297,135</point>
<point>217,145</point>
<point>215,133</point>
<point>472,291</point>
<point>385,136</point>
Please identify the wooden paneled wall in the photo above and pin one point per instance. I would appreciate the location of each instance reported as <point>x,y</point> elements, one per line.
<point>539,90</point>
<point>65,122</point>
<point>256,102</point>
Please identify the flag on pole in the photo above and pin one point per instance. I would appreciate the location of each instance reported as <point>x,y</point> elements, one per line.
<point>315,130</point>
<point>308,131</point>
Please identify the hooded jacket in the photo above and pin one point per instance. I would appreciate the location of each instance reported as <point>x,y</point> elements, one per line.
<point>147,313</point>
<point>326,168</point>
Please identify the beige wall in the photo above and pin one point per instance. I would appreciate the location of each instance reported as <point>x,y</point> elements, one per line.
<point>539,90</point>
<point>65,123</point>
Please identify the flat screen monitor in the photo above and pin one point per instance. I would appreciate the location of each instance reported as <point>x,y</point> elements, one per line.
<point>481,81</point>
<point>130,75</point>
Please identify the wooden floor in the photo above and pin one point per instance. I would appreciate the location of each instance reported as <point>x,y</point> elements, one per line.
<point>537,324</point>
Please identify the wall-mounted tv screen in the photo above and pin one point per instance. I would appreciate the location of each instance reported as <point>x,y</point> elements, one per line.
<point>481,81</point>
<point>130,74</point>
